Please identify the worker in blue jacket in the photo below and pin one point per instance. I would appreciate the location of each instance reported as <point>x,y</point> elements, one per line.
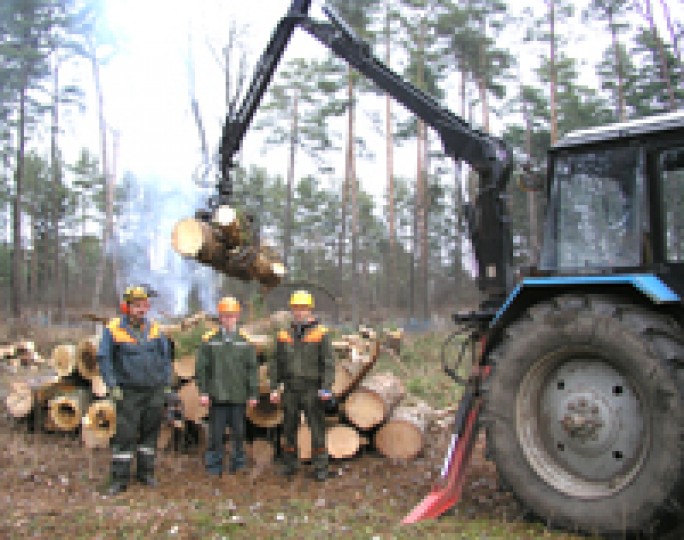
<point>135,363</point>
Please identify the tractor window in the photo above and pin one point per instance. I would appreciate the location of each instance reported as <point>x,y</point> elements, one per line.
<point>594,211</point>
<point>672,170</point>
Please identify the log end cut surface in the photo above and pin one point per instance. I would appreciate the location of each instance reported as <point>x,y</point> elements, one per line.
<point>188,237</point>
<point>398,439</point>
<point>364,409</point>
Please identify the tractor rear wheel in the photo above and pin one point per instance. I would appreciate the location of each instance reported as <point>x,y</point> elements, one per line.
<point>585,413</point>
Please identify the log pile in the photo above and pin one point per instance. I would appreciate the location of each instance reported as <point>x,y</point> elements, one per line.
<point>20,354</point>
<point>370,410</point>
<point>68,398</point>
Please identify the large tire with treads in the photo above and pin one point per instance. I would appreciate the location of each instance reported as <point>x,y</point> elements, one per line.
<point>585,415</point>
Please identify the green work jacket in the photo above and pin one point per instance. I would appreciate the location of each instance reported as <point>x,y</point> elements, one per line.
<point>307,359</point>
<point>226,368</point>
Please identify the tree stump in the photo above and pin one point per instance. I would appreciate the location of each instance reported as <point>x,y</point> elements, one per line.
<point>402,436</point>
<point>372,402</point>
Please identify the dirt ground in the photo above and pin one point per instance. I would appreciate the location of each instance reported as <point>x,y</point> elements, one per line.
<point>51,486</point>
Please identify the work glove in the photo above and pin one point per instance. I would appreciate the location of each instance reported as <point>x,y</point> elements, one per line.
<point>117,393</point>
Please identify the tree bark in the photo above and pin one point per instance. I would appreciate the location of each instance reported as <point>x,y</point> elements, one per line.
<point>16,278</point>
<point>63,359</point>
<point>86,358</point>
<point>294,137</point>
<point>389,142</point>
<point>662,57</point>
<point>102,263</point>
<point>552,74</point>
<point>354,187</point>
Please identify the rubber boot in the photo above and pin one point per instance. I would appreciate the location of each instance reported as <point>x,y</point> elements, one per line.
<point>145,473</point>
<point>237,460</point>
<point>320,463</point>
<point>213,462</point>
<point>289,462</point>
<point>121,472</point>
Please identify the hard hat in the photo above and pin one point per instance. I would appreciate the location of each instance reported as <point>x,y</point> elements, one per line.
<point>135,292</point>
<point>228,304</point>
<point>302,299</point>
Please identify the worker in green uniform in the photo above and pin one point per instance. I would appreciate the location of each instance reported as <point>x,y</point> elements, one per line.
<point>226,372</point>
<point>304,364</point>
<point>135,362</point>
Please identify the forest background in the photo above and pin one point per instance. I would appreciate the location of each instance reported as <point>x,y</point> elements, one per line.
<point>110,115</point>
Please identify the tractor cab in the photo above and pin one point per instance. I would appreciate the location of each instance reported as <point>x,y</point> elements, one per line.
<point>616,201</point>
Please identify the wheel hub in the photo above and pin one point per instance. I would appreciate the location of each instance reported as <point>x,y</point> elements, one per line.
<point>581,425</point>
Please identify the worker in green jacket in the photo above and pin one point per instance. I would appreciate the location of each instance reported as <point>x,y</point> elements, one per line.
<point>226,373</point>
<point>304,364</point>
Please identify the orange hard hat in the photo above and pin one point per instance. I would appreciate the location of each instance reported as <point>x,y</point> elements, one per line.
<point>228,304</point>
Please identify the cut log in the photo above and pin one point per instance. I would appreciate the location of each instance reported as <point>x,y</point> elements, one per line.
<point>402,436</point>
<point>66,410</point>
<point>86,357</point>
<point>265,414</point>
<point>393,340</point>
<point>165,436</point>
<point>264,381</point>
<point>343,441</point>
<point>7,351</point>
<point>98,386</point>
<point>260,342</point>
<point>372,402</point>
<point>46,388</point>
<point>215,246</point>
<point>19,402</point>
<point>63,359</point>
<point>184,367</point>
<point>356,370</point>
<point>189,396</point>
<point>304,442</point>
<point>197,240</point>
<point>101,419</point>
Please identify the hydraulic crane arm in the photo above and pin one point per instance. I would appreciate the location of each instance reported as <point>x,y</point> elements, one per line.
<point>489,156</point>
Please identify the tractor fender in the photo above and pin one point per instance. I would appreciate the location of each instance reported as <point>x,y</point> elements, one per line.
<point>647,289</point>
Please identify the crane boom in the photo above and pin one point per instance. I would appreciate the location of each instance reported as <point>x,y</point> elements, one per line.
<point>488,155</point>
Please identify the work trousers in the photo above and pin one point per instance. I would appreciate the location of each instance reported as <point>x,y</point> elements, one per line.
<point>298,397</point>
<point>138,421</point>
<point>220,416</point>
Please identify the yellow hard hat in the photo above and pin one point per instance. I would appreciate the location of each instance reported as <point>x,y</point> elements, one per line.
<point>302,299</point>
<point>228,304</point>
<point>135,292</point>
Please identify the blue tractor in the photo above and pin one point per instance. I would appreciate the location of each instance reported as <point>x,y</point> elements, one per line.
<point>578,370</point>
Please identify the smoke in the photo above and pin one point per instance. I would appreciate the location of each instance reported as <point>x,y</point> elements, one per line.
<point>144,253</point>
